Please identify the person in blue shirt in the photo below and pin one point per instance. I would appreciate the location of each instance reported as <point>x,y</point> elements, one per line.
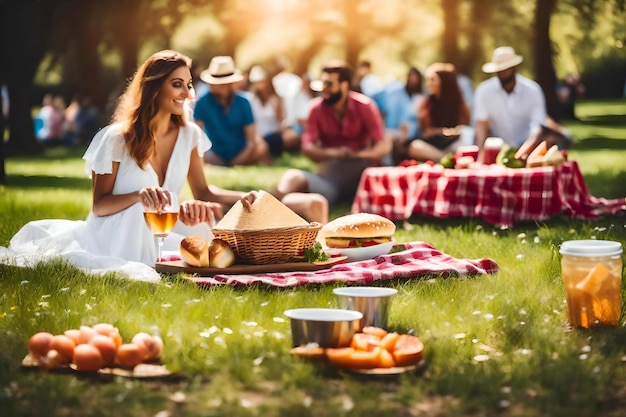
<point>227,119</point>
<point>399,104</point>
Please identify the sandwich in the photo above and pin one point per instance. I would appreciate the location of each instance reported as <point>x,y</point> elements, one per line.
<point>356,231</point>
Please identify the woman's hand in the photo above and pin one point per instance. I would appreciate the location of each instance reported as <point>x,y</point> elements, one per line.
<point>154,198</point>
<point>247,199</point>
<point>193,212</point>
<point>451,131</point>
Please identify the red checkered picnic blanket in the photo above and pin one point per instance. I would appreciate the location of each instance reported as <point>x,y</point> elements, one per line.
<point>494,193</point>
<point>420,259</point>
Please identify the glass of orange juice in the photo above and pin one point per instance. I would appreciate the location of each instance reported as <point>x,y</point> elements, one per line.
<point>592,274</point>
<point>162,220</point>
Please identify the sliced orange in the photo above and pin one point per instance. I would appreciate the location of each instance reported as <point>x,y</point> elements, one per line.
<point>377,331</point>
<point>592,284</point>
<point>389,341</point>
<point>352,358</point>
<point>308,352</point>
<point>385,358</point>
<point>408,350</point>
<point>364,341</point>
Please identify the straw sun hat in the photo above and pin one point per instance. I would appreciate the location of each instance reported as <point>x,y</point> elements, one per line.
<point>503,58</point>
<point>221,71</point>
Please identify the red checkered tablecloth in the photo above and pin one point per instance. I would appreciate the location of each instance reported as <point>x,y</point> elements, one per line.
<point>419,260</point>
<point>494,193</point>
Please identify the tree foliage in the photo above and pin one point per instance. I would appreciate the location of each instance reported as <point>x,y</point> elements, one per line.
<point>98,43</point>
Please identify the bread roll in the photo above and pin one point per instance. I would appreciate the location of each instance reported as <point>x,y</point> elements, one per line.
<point>535,157</point>
<point>553,156</point>
<point>195,251</point>
<point>221,254</point>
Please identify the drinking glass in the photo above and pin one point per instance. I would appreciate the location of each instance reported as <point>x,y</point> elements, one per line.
<point>161,222</point>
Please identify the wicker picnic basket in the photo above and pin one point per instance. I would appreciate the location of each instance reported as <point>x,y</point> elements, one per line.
<point>270,246</point>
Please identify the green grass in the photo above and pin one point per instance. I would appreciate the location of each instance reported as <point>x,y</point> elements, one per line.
<point>230,345</point>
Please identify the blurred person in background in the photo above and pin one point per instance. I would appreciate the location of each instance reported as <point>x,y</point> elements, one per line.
<point>268,109</point>
<point>508,106</point>
<point>344,135</point>
<point>227,119</point>
<point>368,83</point>
<point>297,113</point>
<point>441,116</point>
<point>570,90</point>
<point>50,120</point>
<point>399,107</point>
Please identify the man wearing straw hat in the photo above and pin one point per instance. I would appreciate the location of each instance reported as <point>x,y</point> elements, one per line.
<point>226,117</point>
<point>508,105</point>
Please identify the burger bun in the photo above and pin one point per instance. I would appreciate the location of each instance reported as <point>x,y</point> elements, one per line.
<point>359,229</point>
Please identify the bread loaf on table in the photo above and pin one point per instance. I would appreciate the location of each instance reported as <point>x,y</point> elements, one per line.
<point>221,255</point>
<point>195,251</point>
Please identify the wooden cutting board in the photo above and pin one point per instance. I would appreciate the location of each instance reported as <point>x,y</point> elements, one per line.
<point>175,267</point>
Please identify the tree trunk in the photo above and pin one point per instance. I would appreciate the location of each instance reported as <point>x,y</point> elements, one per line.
<point>89,69</point>
<point>23,25</point>
<point>24,35</point>
<point>301,64</point>
<point>3,122</point>
<point>354,22</point>
<point>450,43</point>
<point>479,23</point>
<point>543,53</point>
<point>127,17</point>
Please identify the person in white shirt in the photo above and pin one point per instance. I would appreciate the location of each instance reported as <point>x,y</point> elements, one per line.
<point>508,105</point>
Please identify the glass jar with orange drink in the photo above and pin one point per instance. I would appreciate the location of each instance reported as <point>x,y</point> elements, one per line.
<point>592,274</point>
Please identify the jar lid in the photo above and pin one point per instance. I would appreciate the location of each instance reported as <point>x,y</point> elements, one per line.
<point>493,142</point>
<point>591,248</point>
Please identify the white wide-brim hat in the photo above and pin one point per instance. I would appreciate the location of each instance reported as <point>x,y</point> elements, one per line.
<point>504,57</point>
<point>221,71</point>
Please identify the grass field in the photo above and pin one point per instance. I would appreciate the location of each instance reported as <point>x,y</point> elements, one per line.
<point>230,346</point>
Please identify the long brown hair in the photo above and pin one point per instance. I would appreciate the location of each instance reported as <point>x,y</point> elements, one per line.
<point>445,109</point>
<point>137,107</point>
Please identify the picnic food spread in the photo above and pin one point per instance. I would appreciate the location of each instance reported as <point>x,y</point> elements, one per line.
<point>358,230</point>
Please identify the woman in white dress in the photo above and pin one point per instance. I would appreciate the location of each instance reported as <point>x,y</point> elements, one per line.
<point>149,149</point>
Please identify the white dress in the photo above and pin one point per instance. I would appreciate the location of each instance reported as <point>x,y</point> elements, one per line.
<point>120,242</point>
